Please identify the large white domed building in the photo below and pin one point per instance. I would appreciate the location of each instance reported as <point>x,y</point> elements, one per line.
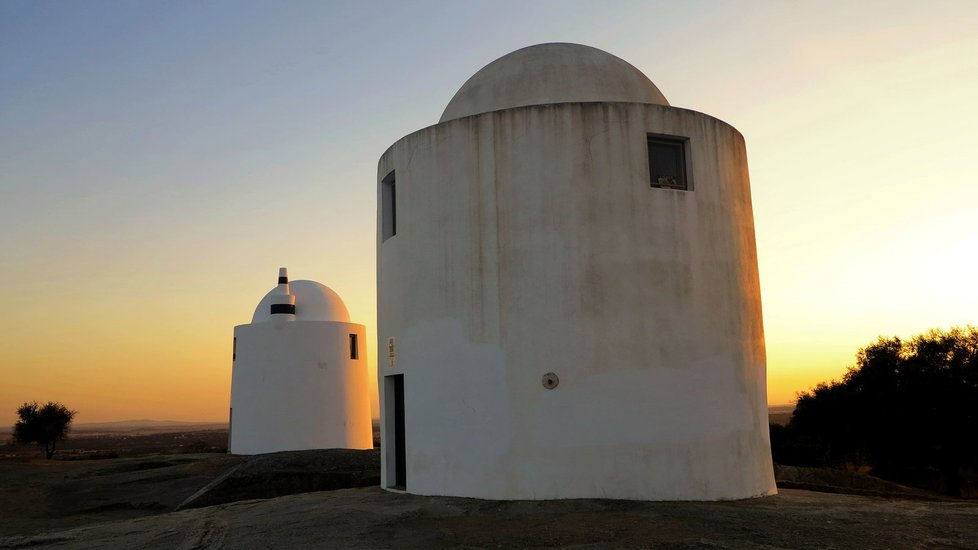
<point>568,295</point>
<point>299,375</point>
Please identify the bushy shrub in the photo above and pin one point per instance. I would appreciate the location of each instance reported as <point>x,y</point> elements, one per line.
<point>908,410</point>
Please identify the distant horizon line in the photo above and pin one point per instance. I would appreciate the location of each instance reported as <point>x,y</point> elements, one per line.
<point>151,422</point>
<point>173,422</point>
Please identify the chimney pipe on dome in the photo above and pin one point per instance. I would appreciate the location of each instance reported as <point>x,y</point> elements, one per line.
<point>283,301</point>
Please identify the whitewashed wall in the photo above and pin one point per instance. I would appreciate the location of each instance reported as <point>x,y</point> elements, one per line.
<point>530,241</point>
<point>294,387</point>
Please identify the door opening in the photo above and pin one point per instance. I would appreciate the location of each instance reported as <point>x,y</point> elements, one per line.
<point>395,455</point>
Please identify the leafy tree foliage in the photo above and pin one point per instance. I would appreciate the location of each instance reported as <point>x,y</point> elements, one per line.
<point>45,425</point>
<point>908,410</point>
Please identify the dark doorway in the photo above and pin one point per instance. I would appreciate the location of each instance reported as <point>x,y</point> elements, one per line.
<point>396,472</point>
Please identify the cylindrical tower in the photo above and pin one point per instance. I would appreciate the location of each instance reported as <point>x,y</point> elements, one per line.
<point>568,293</point>
<point>299,376</point>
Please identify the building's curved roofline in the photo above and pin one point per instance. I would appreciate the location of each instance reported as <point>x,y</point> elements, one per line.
<point>313,302</point>
<point>556,72</point>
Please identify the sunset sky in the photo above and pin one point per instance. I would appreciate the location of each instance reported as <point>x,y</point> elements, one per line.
<point>159,160</point>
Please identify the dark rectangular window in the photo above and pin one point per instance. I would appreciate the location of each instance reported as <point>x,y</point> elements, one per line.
<point>354,350</point>
<point>388,198</point>
<point>234,349</point>
<point>667,162</point>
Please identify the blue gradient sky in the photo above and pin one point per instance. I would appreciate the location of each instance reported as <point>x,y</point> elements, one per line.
<point>160,160</point>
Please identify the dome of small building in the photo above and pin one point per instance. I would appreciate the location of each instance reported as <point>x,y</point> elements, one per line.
<point>551,73</point>
<point>313,302</point>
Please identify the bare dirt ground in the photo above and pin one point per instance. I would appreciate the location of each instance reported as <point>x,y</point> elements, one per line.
<point>373,518</point>
<point>38,495</point>
<point>130,502</point>
<point>112,471</point>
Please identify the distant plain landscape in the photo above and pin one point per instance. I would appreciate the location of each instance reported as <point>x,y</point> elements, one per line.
<point>90,440</point>
<point>128,438</point>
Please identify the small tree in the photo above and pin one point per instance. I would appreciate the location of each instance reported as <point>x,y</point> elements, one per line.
<point>43,425</point>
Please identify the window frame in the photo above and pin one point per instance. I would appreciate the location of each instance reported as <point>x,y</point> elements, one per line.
<point>388,206</point>
<point>681,143</point>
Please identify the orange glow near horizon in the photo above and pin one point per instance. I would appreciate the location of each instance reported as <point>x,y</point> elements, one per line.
<point>153,355</point>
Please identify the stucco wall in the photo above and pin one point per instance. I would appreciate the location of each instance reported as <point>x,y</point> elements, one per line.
<point>530,241</point>
<point>294,387</point>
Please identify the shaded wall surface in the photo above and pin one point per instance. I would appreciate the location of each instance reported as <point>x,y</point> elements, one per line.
<point>530,241</point>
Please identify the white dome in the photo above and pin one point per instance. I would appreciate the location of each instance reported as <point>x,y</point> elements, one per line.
<point>313,302</point>
<point>551,73</point>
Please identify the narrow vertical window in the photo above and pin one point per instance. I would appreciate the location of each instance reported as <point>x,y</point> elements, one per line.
<point>354,349</point>
<point>234,349</point>
<point>388,197</point>
<point>668,162</point>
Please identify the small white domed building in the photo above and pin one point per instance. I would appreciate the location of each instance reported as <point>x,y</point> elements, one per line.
<point>299,376</point>
<point>568,294</point>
